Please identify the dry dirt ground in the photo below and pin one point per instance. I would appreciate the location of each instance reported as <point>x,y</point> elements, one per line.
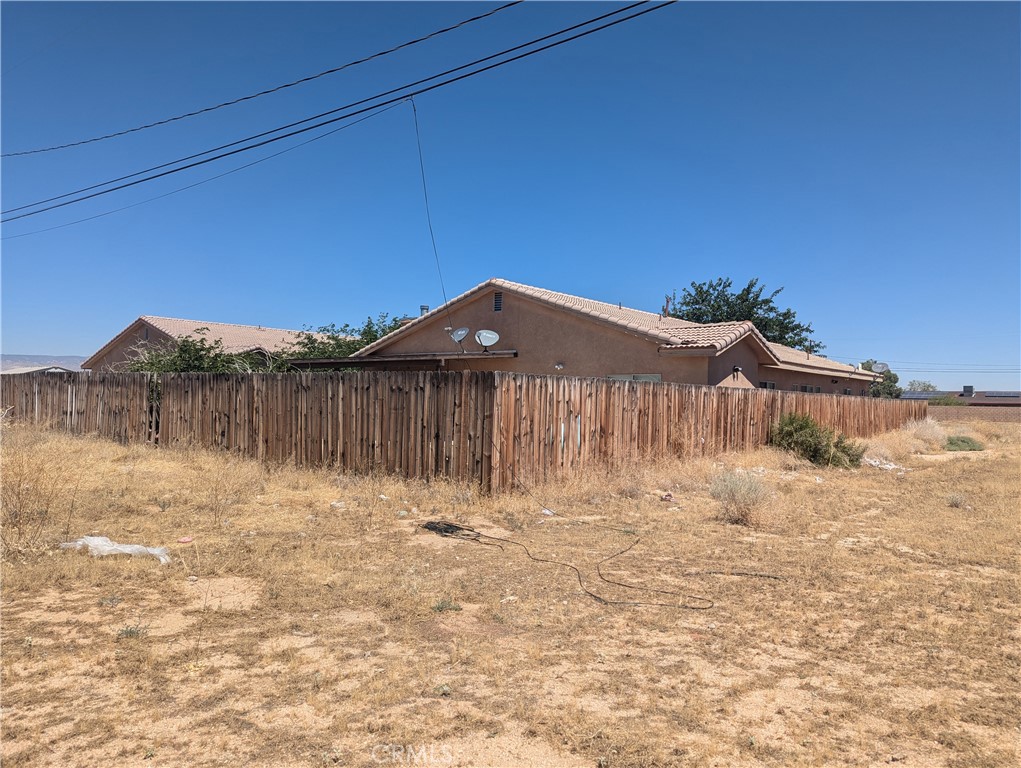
<point>868,617</point>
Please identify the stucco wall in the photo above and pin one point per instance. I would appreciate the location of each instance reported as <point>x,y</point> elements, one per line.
<point>788,380</point>
<point>117,355</point>
<point>544,337</point>
<point>743,355</point>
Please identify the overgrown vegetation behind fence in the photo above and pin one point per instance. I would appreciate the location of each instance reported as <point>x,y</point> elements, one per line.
<point>496,429</point>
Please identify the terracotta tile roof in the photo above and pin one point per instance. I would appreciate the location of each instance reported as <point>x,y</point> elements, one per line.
<point>235,338</point>
<point>670,333</point>
<point>791,358</point>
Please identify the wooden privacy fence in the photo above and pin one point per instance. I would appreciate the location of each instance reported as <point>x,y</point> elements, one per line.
<point>495,429</point>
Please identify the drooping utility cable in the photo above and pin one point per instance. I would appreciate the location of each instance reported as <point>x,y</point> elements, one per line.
<point>330,121</point>
<point>425,194</point>
<point>204,181</point>
<point>268,91</point>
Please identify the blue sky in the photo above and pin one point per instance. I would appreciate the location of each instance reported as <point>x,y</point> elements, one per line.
<point>863,156</point>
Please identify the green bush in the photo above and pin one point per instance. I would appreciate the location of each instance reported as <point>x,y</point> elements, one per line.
<point>802,435</point>
<point>963,443</point>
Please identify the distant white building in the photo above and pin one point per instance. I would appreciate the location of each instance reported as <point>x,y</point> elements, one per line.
<point>36,369</point>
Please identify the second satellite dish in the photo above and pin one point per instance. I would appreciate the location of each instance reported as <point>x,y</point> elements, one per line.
<point>458,335</point>
<point>486,338</point>
<point>880,368</point>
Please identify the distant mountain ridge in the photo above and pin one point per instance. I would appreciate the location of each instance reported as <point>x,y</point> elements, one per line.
<point>74,362</point>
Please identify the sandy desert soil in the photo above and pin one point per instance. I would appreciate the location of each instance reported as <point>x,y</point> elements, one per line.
<point>867,617</point>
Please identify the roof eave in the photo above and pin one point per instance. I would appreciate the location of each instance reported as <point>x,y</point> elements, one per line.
<point>88,363</point>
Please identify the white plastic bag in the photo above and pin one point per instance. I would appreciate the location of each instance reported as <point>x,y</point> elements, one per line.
<point>100,546</point>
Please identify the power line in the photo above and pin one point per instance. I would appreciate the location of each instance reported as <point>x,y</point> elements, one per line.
<point>268,91</point>
<point>351,105</point>
<point>204,181</point>
<point>928,362</point>
<point>333,111</point>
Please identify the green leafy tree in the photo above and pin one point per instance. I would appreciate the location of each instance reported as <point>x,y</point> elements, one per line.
<point>887,387</point>
<point>715,302</point>
<point>329,342</point>
<point>916,385</point>
<point>195,354</point>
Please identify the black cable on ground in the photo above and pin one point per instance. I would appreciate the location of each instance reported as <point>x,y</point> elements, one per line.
<point>466,533</point>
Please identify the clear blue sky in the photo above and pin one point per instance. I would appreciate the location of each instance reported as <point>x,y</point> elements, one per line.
<point>863,156</point>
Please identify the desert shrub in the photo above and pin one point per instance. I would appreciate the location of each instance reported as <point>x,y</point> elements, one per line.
<point>800,434</point>
<point>38,489</point>
<point>928,431</point>
<point>963,443</point>
<point>740,495</point>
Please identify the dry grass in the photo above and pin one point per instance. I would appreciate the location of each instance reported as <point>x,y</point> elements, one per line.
<point>311,623</point>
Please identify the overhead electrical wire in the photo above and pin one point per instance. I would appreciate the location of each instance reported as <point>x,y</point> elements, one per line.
<point>396,99</point>
<point>360,102</point>
<point>930,362</point>
<point>203,181</point>
<point>268,91</point>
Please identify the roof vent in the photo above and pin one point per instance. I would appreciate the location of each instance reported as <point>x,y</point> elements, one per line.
<point>969,391</point>
<point>498,301</point>
<point>423,309</point>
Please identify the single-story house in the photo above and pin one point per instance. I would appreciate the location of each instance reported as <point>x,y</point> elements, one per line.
<point>545,332</point>
<point>968,396</point>
<point>149,330</point>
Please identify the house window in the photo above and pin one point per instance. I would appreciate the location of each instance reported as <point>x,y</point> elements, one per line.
<point>818,390</point>
<point>635,377</point>
<point>847,391</point>
<point>767,385</point>
<point>804,388</point>
<point>498,301</point>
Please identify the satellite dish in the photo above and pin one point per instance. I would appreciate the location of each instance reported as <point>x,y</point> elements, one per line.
<point>880,368</point>
<point>458,335</point>
<point>486,338</point>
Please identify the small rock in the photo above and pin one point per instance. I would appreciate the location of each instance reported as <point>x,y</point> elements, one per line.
<point>184,540</point>
<point>193,579</point>
<point>402,513</point>
<point>338,504</point>
<point>667,497</point>
<point>383,498</point>
<point>442,690</point>
<point>548,511</point>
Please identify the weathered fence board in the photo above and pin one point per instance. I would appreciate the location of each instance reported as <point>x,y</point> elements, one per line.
<point>494,429</point>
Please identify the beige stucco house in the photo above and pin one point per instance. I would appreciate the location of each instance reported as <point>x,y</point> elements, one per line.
<point>545,332</point>
<point>149,330</point>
